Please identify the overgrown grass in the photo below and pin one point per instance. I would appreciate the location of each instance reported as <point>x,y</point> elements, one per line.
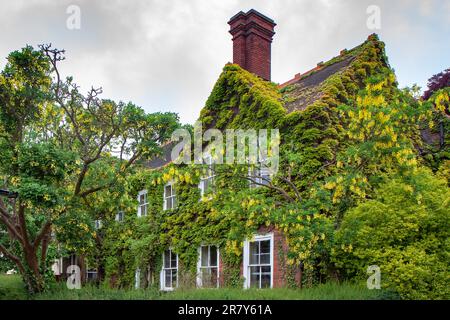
<point>11,287</point>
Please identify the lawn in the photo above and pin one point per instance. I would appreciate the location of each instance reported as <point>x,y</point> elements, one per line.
<point>11,287</point>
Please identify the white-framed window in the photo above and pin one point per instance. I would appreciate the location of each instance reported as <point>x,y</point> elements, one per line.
<point>120,216</point>
<point>170,197</point>
<point>208,266</point>
<point>258,262</point>
<point>260,173</point>
<point>91,274</point>
<point>206,184</point>
<point>169,272</point>
<point>143,203</point>
<point>97,224</point>
<point>137,278</point>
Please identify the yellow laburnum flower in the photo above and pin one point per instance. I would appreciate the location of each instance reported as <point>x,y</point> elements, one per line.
<point>329,185</point>
<point>187,177</point>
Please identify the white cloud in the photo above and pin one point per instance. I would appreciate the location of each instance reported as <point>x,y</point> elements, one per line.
<point>167,54</point>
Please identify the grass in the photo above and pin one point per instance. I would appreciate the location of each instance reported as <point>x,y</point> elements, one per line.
<point>11,287</point>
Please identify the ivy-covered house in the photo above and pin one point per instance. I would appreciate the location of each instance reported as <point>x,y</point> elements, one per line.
<point>216,225</point>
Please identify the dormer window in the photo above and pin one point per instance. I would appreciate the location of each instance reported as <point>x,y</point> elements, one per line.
<point>143,204</point>
<point>170,197</point>
<point>207,179</point>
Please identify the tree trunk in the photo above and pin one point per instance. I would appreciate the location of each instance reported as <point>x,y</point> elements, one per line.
<point>31,265</point>
<point>33,277</point>
<point>99,260</point>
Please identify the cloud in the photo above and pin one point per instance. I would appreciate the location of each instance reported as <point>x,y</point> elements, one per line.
<point>165,55</point>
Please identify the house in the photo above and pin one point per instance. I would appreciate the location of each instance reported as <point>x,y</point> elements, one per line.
<point>262,261</point>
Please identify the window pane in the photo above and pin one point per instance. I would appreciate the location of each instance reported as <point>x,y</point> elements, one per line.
<point>167,259</point>
<point>214,276</point>
<point>264,258</point>
<point>204,253</point>
<point>265,246</point>
<point>213,256</point>
<point>144,210</point>
<point>168,191</point>
<point>254,277</point>
<point>209,277</point>
<point>174,278</point>
<point>254,252</point>
<point>265,280</point>
<point>207,185</point>
<point>173,260</point>
<point>265,270</point>
<point>265,180</point>
<point>168,278</point>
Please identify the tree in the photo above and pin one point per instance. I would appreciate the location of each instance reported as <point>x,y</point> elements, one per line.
<point>53,136</point>
<point>436,82</point>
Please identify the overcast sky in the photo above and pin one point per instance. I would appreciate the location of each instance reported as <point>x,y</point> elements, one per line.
<point>165,55</point>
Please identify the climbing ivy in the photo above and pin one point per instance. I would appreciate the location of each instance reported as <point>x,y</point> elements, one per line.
<point>337,151</point>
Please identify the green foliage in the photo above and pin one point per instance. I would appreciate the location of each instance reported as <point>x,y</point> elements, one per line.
<point>329,291</point>
<point>24,87</point>
<point>436,146</point>
<point>351,190</point>
<point>41,170</point>
<point>405,231</point>
<point>312,137</point>
<point>336,152</point>
<point>242,100</point>
<point>57,147</point>
<point>12,288</point>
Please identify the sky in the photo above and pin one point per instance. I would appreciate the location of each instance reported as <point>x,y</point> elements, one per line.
<point>166,55</point>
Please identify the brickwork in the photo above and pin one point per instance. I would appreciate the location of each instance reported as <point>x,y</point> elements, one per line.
<point>252,37</point>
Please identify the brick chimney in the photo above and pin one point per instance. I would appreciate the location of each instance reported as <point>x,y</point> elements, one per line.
<point>252,37</point>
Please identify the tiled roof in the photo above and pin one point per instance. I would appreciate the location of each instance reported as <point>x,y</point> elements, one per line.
<point>162,160</point>
<point>304,89</point>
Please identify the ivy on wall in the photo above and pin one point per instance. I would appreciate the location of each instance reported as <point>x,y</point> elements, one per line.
<point>336,151</point>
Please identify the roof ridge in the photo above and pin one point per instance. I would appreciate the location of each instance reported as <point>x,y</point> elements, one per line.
<point>321,65</point>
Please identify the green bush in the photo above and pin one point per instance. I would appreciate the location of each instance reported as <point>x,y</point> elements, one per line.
<point>405,230</point>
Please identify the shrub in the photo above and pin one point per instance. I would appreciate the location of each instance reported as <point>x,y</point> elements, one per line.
<point>404,230</point>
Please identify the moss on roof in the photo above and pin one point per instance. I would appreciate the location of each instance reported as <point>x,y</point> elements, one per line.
<point>241,99</point>
<point>303,111</point>
<point>351,67</point>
